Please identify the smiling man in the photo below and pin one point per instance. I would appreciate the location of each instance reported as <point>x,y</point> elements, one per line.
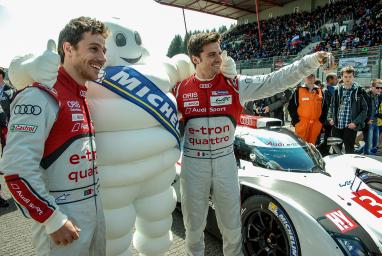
<point>50,158</point>
<point>210,104</point>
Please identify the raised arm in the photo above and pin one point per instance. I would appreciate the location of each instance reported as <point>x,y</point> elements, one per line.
<point>262,86</point>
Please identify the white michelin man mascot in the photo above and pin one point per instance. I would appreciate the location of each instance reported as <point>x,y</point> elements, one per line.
<point>137,139</point>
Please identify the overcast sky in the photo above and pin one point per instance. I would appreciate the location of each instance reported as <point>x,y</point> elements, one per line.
<point>26,31</point>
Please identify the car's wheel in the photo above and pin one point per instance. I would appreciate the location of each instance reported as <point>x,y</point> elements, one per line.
<point>267,229</point>
<point>374,182</point>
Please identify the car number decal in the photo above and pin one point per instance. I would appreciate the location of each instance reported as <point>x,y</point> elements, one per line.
<point>370,201</point>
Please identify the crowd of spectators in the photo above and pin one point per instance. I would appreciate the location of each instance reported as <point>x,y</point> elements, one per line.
<point>288,34</point>
<point>367,33</point>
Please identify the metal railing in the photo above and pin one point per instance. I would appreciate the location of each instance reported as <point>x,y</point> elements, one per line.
<point>374,55</point>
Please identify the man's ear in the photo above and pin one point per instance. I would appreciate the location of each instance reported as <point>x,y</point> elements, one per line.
<point>67,48</point>
<point>195,60</point>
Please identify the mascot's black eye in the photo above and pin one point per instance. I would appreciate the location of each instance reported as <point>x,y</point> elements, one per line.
<point>138,39</point>
<point>120,40</point>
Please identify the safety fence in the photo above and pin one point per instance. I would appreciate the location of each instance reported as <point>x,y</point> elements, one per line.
<point>366,61</point>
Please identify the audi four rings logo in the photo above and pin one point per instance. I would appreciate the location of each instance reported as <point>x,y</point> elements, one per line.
<point>27,110</point>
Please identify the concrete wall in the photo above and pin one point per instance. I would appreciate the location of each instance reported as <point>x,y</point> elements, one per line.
<point>257,71</point>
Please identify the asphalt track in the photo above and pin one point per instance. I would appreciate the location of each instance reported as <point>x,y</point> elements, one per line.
<point>15,233</point>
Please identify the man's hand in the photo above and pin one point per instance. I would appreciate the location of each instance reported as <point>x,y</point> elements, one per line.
<point>352,126</point>
<point>66,234</point>
<point>327,59</point>
<point>228,66</point>
<point>257,111</point>
<point>266,109</point>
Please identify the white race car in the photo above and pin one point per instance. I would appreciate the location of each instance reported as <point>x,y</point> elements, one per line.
<point>294,202</point>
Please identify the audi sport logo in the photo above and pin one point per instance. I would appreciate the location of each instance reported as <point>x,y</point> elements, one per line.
<point>27,110</point>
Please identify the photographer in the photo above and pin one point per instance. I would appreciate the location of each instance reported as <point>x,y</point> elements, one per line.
<point>269,107</point>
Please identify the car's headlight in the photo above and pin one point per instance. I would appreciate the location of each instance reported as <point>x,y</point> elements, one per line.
<point>351,246</point>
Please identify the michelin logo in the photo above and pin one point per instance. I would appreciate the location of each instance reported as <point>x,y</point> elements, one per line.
<point>133,85</point>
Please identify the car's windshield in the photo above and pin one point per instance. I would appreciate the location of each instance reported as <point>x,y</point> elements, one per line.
<point>296,159</point>
<point>278,150</point>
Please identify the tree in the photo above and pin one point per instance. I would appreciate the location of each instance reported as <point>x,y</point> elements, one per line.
<point>175,47</point>
<point>222,29</point>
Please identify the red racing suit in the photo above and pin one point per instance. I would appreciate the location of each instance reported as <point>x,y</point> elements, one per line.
<point>50,165</point>
<point>209,111</point>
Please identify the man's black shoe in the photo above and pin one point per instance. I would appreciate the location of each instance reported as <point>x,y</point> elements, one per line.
<point>3,203</point>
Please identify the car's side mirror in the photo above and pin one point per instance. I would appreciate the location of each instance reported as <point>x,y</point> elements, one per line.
<point>333,141</point>
<point>317,155</point>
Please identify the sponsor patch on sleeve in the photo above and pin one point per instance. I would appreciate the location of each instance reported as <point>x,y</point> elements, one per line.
<point>28,128</point>
<point>27,109</point>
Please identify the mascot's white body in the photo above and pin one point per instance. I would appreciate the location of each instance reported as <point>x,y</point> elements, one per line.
<point>136,155</point>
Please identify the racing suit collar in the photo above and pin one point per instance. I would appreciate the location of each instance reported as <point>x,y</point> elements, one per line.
<point>206,83</point>
<point>204,80</point>
<point>80,89</point>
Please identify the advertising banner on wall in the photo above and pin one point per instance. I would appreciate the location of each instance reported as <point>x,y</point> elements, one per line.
<point>359,64</point>
<point>355,62</point>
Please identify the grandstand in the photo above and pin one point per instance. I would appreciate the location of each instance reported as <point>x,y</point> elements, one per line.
<point>351,29</point>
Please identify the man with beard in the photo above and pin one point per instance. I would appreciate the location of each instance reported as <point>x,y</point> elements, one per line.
<point>50,158</point>
<point>210,105</point>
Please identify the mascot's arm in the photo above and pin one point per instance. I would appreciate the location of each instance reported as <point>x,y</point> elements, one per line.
<point>27,69</point>
<point>179,68</point>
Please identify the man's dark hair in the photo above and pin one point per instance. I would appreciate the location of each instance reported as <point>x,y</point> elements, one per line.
<point>318,82</point>
<point>330,76</point>
<point>197,41</point>
<point>75,29</point>
<point>2,72</point>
